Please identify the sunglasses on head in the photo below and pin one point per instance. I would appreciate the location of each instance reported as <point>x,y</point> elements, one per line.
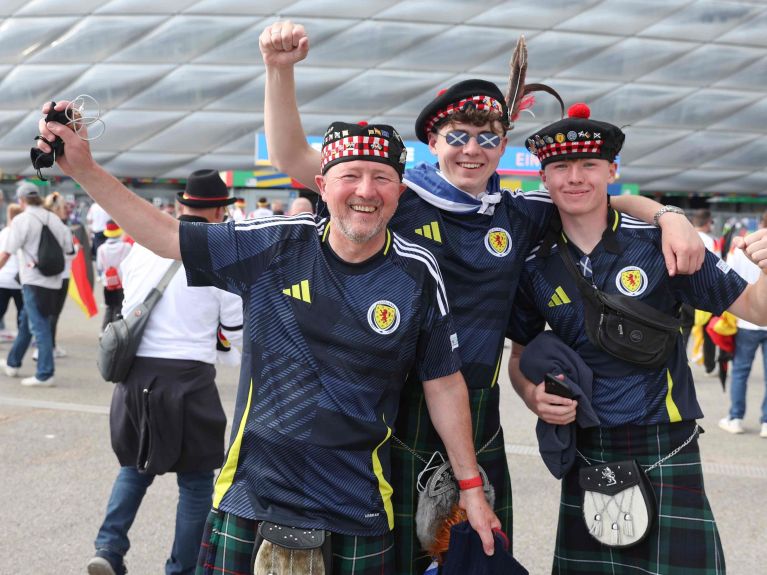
<point>458,138</point>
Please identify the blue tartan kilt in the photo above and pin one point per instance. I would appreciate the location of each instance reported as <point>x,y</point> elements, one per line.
<point>683,540</point>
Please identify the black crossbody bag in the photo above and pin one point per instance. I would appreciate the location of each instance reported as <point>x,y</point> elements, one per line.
<point>624,326</point>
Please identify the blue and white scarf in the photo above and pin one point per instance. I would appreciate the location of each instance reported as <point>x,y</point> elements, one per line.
<point>431,185</point>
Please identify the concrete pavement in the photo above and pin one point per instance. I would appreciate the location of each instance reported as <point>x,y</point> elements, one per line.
<point>57,470</point>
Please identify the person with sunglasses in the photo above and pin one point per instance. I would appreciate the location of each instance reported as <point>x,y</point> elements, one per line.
<point>480,235</point>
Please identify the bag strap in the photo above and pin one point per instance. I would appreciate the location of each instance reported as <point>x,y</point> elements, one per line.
<point>172,269</point>
<point>587,289</point>
<point>156,292</point>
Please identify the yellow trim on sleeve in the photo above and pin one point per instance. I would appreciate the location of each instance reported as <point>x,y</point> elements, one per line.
<point>673,410</point>
<point>226,476</point>
<point>384,487</point>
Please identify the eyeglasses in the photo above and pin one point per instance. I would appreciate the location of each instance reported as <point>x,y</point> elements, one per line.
<point>458,138</point>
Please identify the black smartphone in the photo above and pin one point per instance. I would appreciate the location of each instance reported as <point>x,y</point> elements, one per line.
<point>556,387</point>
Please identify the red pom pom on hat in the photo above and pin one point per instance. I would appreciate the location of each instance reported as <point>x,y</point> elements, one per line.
<point>362,123</point>
<point>579,110</point>
<point>442,91</point>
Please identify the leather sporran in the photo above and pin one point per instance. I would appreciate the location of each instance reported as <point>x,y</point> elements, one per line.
<point>282,550</point>
<point>618,503</point>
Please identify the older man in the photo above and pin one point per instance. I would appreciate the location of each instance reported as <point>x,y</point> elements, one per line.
<point>339,313</point>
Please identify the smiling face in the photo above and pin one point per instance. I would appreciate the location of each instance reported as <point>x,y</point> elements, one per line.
<point>361,196</point>
<point>468,166</point>
<point>579,186</point>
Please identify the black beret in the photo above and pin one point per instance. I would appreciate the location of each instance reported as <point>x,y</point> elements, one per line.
<point>345,142</point>
<point>577,136</point>
<point>478,94</point>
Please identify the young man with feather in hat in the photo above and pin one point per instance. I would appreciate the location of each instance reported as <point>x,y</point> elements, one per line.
<point>636,390</point>
<point>338,313</point>
<point>480,235</point>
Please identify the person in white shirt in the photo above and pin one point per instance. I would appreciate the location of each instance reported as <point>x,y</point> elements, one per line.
<point>96,220</point>
<point>167,414</point>
<point>748,339</point>
<point>41,292</point>
<point>237,211</point>
<point>10,288</point>
<point>262,210</point>
<point>109,256</point>
<point>703,223</point>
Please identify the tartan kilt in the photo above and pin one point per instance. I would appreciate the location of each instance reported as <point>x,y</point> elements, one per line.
<point>227,548</point>
<point>414,429</point>
<point>683,540</point>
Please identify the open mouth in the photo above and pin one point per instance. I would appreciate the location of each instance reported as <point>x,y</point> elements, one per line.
<point>469,165</point>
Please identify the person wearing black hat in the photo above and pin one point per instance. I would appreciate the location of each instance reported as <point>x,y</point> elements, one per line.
<point>167,415</point>
<point>479,233</point>
<point>647,409</point>
<point>339,312</point>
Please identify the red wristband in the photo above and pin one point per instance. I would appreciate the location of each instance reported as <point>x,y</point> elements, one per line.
<point>464,484</point>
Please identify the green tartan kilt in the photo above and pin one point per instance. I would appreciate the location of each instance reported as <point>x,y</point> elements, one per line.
<point>227,548</point>
<point>683,539</point>
<point>414,429</point>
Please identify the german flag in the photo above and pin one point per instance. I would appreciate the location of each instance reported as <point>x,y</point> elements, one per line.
<point>80,289</point>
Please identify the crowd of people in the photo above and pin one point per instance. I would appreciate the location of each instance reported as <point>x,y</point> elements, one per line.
<point>372,349</point>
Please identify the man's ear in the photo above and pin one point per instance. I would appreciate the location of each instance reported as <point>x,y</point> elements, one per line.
<point>542,174</point>
<point>613,173</point>
<point>320,182</point>
<point>432,143</point>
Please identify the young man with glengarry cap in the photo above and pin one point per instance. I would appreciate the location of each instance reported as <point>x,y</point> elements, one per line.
<point>338,313</point>
<point>646,413</point>
<point>479,233</point>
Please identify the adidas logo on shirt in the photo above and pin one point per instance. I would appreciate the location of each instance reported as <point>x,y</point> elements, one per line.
<point>299,291</point>
<point>430,231</point>
<point>559,298</point>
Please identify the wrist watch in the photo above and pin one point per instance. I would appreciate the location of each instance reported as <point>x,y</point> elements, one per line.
<point>663,210</point>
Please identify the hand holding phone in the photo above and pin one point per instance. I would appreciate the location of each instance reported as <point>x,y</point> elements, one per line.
<point>555,386</point>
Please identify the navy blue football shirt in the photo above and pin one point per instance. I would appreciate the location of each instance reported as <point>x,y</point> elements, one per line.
<point>327,350</point>
<point>629,260</point>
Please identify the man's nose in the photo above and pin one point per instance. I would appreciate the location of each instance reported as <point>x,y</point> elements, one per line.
<point>574,172</point>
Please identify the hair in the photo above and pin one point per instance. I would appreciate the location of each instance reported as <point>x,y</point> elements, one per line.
<point>763,222</point>
<point>12,211</point>
<point>33,200</point>
<point>55,203</point>
<point>442,536</point>
<point>475,118</point>
<point>701,217</point>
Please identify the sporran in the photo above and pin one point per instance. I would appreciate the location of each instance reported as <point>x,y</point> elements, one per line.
<point>618,502</point>
<point>282,550</point>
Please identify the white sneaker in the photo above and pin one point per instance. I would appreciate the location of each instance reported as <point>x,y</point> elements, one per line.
<point>732,425</point>
<point>9,371</point>
<point>763,432</point>
<point>34,382</point>
<point>57,352</point>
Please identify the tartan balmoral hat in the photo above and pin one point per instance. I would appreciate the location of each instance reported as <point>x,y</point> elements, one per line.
<point>205,189</point>
<point>380,143</point>
<point>577,136</point>
<point>478,94</point>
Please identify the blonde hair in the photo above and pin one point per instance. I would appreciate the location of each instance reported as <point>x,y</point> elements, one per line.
<point>12,211</point>
<point>56,204</point>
